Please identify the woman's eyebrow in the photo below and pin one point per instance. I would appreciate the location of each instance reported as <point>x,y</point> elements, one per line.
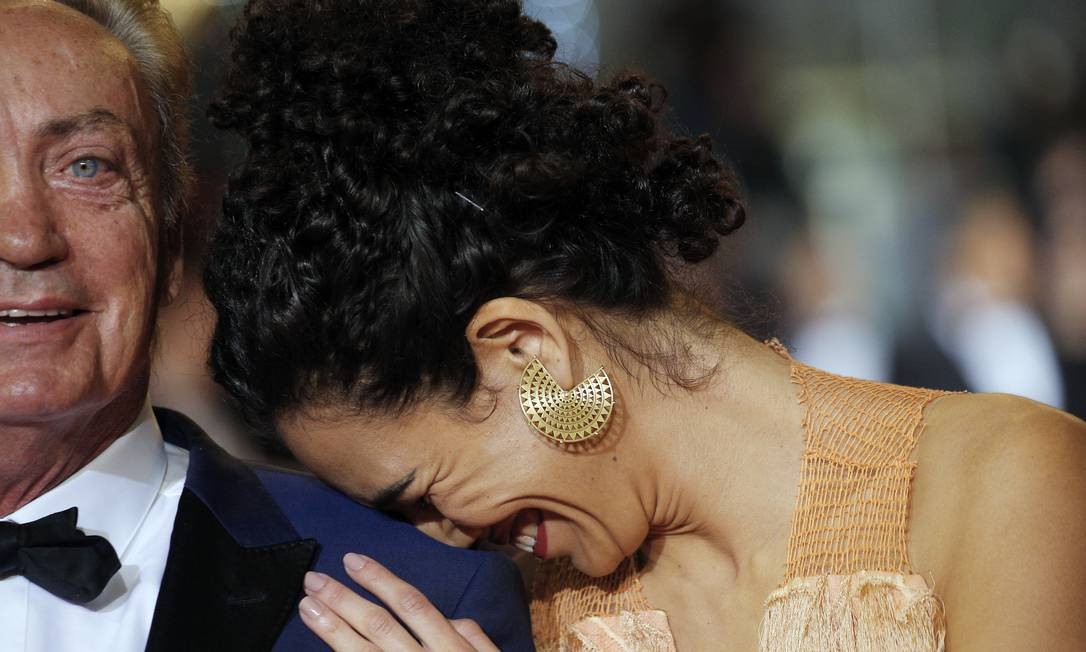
<point>388,496</point>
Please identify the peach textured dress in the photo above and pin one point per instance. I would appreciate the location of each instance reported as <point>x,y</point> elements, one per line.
<point>847,583</point>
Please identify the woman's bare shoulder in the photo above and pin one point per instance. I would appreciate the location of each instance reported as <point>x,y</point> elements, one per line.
<point>978,448</point>
<point>983,438</point>
<point>1000,517</point>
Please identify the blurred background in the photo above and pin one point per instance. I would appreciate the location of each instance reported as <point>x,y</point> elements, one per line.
<point>915,173</point>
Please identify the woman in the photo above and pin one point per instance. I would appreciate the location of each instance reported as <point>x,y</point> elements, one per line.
<point>437,231</point>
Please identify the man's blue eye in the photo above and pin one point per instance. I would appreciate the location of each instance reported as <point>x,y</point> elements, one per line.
<point>85,168</point>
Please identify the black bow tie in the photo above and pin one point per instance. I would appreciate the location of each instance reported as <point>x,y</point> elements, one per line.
<point>54,554</point>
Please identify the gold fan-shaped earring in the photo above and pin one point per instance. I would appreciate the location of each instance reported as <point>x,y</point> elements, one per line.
<point>566,416</point>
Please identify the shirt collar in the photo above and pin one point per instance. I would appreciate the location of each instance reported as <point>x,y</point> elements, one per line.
<point>115,490</point>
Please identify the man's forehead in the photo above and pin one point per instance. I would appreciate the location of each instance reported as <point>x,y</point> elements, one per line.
<point>46,11</point>
<point>82,68</point>
<point>72,36</point>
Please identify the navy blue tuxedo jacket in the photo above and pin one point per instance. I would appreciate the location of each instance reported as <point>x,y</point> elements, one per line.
<point>244,537</point>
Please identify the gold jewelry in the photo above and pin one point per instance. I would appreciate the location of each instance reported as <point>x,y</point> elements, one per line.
<point>566,416</point>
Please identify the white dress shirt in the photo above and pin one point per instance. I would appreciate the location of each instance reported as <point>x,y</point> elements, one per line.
<point>129,495</point>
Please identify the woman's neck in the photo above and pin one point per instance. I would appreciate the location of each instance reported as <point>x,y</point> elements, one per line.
<point>723,466</point>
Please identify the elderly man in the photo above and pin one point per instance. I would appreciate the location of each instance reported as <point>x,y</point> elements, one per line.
<point>211,553</point>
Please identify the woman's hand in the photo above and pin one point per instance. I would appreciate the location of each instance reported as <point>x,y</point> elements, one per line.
<point>348,622</point>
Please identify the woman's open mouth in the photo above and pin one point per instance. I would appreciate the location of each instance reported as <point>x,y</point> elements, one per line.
<point>529,532</point>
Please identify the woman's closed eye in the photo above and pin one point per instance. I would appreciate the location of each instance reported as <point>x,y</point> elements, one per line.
<point>420,509</point>
<point>425,516</point>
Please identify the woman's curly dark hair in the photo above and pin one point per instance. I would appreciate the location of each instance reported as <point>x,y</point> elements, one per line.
<point>351,258</point>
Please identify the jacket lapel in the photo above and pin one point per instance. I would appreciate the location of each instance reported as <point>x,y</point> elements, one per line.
<point>235,567</point>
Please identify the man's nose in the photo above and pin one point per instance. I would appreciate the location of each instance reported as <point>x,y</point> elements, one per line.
<point>29,238</point>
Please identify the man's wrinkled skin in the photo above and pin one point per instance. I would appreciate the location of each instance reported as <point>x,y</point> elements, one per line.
<point>78,233</point>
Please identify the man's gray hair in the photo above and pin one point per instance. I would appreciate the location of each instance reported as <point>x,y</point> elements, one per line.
<point>147,31</point>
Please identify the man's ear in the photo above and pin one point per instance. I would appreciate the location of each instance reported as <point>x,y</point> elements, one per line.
<point>171,273</point>
<point>506,333</point>
<point>174,280</point>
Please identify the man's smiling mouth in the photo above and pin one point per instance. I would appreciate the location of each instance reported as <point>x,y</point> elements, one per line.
<point>15,317</point>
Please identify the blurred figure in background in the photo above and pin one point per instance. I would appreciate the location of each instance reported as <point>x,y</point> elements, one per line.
<point>827,318</point>
<point>1061,190</point>
<point>985,316</point>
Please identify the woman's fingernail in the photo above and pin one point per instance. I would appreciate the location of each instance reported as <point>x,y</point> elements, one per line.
<point>355,561</point>
<point>313,614</point>
<point>315,581</point>
<point>311,607</point>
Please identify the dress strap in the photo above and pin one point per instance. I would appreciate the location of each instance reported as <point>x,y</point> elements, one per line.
<point>853,504</point>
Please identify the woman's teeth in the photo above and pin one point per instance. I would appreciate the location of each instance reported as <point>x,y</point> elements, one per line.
<point>526,537</point>
<point>525,543</point>
<point>524,532</point>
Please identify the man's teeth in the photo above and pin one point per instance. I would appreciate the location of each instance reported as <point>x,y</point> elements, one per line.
<point>14,317</point>
<point>15,312</point>
<point>525,543</point>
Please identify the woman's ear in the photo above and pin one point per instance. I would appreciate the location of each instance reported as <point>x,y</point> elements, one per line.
<point>507,333</point>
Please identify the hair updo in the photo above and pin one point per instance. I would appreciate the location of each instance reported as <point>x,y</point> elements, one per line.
<point>352,256</point>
